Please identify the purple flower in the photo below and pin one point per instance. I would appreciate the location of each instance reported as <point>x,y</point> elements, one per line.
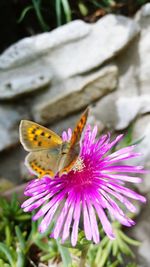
<point>94,188</point>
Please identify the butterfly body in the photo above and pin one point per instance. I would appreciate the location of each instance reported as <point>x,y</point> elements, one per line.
<point>48,153</point>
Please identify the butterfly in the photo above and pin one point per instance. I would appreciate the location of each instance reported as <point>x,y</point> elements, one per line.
<point>48,153</point>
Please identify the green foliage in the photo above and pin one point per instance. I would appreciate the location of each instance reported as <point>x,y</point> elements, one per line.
<point>110,253</point>
<point>19,239</point>
<point>19,235</point>
<point>62,12</point>
<point>51,14</point>
<point>128,139</point>
<point>62,6</point>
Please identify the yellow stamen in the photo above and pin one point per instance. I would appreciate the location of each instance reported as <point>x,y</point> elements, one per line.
<point>79,165</point>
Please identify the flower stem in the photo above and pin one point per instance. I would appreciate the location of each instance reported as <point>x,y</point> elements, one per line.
<point>84,252</point>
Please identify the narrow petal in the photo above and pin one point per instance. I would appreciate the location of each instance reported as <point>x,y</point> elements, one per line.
<point>68,221</point>
<point>127,192</point>
<point>32,199</point>
<point>61,218</point>
<point>131,179</point>
<point>76,217</point>
<point>104,221</point>
<point>47,206</point>
<point>86,221</point>
<point>94,226</point>
<point>47,219</point>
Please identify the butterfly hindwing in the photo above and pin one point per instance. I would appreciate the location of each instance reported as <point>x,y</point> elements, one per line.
<point>35,137</point>
<point>43,162</point>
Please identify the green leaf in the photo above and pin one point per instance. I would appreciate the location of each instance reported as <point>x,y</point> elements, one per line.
<point>125,249</point>
<point>67,9</point>
<point>83,9</point>
<point>98,256</point>
<point>128,240</point>
<point>114,248</point>
<point>42,245</point>
<point>23,217</point>
<point>65,255</point>
<point>48,256</point>
<point>105,255</point>
<point>2,263</point>
<point>114,264</point>
<point>138,141</point>
<point>20,258</point>
<point>37,9</point>
<point>20,237</point>
<point>58,12</point>
<point>7,253</point>
<point>8,235</point>
<point>24,13</point>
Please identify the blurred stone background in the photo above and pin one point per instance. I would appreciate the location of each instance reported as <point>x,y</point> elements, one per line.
<point>50,78</point>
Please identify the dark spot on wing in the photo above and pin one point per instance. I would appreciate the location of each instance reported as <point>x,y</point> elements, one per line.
<point>35,138</point>
<point>42,134</point>
<point>33,131</point>
<point>63,153</point>
<point>39,143</point>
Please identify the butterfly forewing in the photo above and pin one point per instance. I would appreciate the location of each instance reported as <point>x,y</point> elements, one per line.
<point>43,162</point>
<point>77,132</point>
<point>74,150</point>
<point>35,137</point>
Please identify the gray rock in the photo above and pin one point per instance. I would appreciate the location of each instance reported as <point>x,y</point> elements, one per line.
<point>132,95</point>
<point>10,116</point>
<point>74,48</point>
<point>143,67</point>
<point>71,121</point>
<point>134,63</point>
<point>23,80</point>
<point>73,94</point>
<point>141,232</point>
<point>10,163</point>
<point>105,111</point>
<point>142,130</point>
<point>118,112</point>
<point>128,109</point>
<point>31,48</point>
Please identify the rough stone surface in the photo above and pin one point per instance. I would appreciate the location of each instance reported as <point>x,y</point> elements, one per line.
<point>143,67</point>
<point>142,130</point>
<point>10,164</point>
<point>132,95</point>
<point>23,80</point>
<point>74,48</point>
<point>31,48</point>
<point>74,94</point>
<point>10,116</point>
<point>71,121</point>
<point>105,111</point>
<point>128,109</point>
<point>141,232</point>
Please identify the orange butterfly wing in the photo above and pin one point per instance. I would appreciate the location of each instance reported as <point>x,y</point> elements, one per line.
<point>76,135</point>
<point>74,149</point>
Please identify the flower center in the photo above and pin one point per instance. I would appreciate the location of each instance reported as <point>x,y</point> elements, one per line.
<point>79,165</point>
